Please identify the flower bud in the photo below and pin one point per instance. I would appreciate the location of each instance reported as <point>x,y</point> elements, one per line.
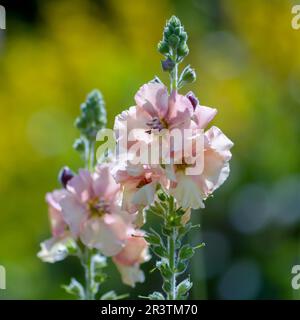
<point>194,101</point>
<point>168,64</point>
<point>188,75</point>
<point>163,47</point>
<point>79,145</point>
<point>174,40</point>
<point>65,175</point>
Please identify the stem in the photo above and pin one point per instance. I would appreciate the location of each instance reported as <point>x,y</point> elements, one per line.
<point>174,77</point>
<point>172,263</point>
<point>172,295</point>
<point>89,275</point>
<point>174,74</point>
<point>90,155</point>
<point>88,254</point>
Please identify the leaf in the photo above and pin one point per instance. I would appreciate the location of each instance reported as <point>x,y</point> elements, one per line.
<point>111,295</point>
<point>186,252</point>
<point>156,296</point>
<point>75,288</point>
<point>165,270</point>
<point>184,287</point>
<point>160,251</point>
<point>181,267</point>
<point>166,287</point>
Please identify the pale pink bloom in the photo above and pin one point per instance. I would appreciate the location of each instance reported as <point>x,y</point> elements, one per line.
<point>202,115</point>
<point>129,259</point>
<point>57,222</point>
<point>155,110</point>
<point>91,209</point>
<point>139,184</point>
<point>191,190</point>
<point>57,248</point>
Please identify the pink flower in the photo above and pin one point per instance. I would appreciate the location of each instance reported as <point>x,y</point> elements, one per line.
<point>155,110</point>
<point>58,247</point>
<point>191,190</point>
<point>57,222</point>
<point>139,184</point>
<point>91,209</point>
<point>129,259</point>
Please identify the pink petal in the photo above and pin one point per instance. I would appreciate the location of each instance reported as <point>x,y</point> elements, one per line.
<point>153,97</point>
<point>107,234</point>
<point>104,185</point>
<point>179,112</point>
<point>73,212</point>
<point>203,115</point>
<point>82,185</point>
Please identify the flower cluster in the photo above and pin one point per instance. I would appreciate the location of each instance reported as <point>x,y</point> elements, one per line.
<point>156,114</point>
<point>99,211</point>
<point>87,211</point>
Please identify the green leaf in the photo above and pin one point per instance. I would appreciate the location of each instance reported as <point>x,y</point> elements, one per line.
<point>184,287</point>
<point>181,267</point>
<point>160,252</point>
<point>165,270</point>
<point>111,295</point>
<point>75,288</point>
<point>156,296</point>
<point>166,286</point>
<point>186,252</point>
<point>154,239</point>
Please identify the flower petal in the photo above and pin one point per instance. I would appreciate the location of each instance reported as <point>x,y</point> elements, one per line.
<point>107,234</point>
<point>153,98</point>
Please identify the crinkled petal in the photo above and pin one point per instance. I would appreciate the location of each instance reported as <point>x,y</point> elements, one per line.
<point>104,184</point>
<point>153,98</point>
<point>107,234</point>
<point>73,212</point>
<point>58,224</point>
<point>203,115</point>
<point>82,185</point>
<point>187,192</point>
<point>134,252</point>
<point>179,112</point>
<point>131,274</point>
<point>55,249</point>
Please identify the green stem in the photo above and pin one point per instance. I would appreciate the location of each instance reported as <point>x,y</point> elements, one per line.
<point>89,275</point>
<point>172,263</point>
<point>174,77</point>
<point>91,155</point>
<point>172,253</point>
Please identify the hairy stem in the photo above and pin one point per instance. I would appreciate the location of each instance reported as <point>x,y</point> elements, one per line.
<point>89,275</point>
<point>172,253</point>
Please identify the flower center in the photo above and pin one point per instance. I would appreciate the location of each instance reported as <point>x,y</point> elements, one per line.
<point>156,124</point>
<point>143,182</point>
<point>98,207</point>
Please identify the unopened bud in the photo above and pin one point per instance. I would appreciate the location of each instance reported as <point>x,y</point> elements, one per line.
<point>188,75</point>
<point>194,101</point>
<point>65,175</point>
<point>168,64</point>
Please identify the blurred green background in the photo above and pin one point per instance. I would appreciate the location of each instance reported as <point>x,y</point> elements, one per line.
<point>247,58</point>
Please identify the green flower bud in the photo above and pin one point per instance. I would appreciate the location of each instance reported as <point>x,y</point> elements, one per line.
<point>163,47</point>
<point>188,75</point>
<point>93,116</point>
<point>79,145</point>
<point>174,40</point>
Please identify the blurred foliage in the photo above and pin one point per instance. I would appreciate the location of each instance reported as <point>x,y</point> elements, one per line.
<point>247,60</point>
